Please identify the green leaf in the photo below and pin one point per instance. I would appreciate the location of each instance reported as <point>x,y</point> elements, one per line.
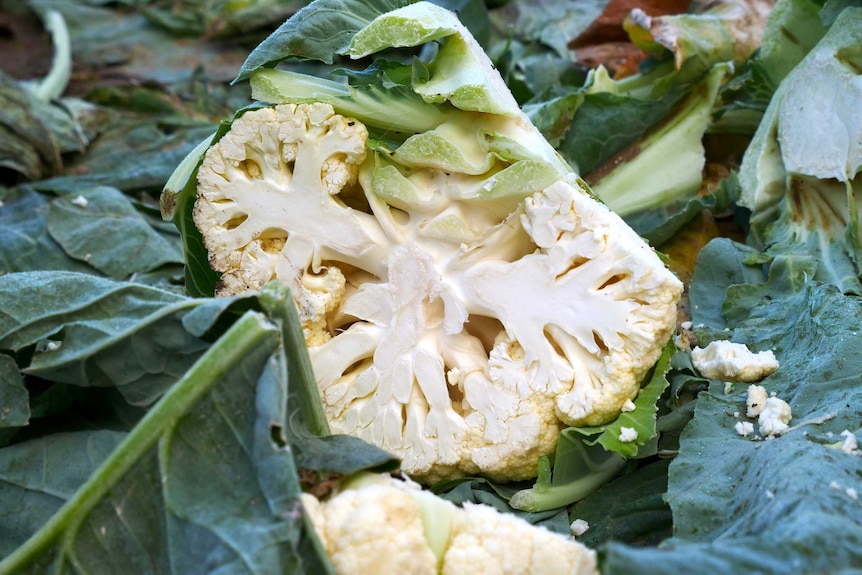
<point>101,227</point>
<point>198,486</point>
<point>660,224</point>
<point>14,399</point>
<point>642,418</point>
<point>601,124</point>
<point>720,264</point>
<point>130,158</point>
<point>742,505</point>
<point>547,22</point>
<point>25,244</point>
<point>27,146</point>
<point>37,477</point>
<point>320,31</point>
<point>629,509</point>
<point>94,331</point>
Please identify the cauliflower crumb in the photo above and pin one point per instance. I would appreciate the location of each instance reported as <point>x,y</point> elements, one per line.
<point>834,485</point>
<point>578,527</point>
<point>728,361</point>
<point>628,434</point>
<point>744,428</point>
<point>756,400</point>
<point>851,493</point>
<point>850,445</point>
<point>774,418</point>
<point>80,201</point>
<point>628,405</point>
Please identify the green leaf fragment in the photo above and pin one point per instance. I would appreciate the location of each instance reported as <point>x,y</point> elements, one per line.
<point>102,227</point>
<point>615,436</point>
<point>206,486</point>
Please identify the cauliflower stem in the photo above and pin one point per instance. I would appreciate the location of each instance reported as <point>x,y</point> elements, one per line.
<point>587,467</point>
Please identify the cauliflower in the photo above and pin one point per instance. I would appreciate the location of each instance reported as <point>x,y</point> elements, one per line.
<point>462,294</point>
<point>755,400</point>
<point>773,414</point>
<point>775,417</point>
<point>730,361</point>
<point>380,526</point>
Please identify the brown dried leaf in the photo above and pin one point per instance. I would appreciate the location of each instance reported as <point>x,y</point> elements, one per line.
<point>734,27</point>
<point>608,27</point>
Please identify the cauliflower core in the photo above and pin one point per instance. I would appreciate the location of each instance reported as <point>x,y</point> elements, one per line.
<point>458,330</point>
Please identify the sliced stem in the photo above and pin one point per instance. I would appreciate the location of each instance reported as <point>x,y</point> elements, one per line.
<point>545,497</point>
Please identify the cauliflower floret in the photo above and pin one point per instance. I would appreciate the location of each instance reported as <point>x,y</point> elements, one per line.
<point>581,310</point>
<point>374,530</point>
<point>744,428</point>
<point>383,526</point>
<point>264,191</point>
<point>755,400</point>
<point>774,418</point>
<point>628,434</point>
<point>487,542</point>
<point>729,361</point>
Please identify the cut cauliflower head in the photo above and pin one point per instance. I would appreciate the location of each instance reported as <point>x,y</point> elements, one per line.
<point>458,330</point>
<point>383,526</point>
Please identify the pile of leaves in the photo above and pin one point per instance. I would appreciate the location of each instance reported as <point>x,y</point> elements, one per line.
<point>146,431</point>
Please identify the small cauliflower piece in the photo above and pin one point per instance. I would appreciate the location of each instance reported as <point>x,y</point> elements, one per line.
<point>264,193</point>
<point>628,434</point>
<point>850,445</point>
<point>774,418</point>
<point>578,527</point>
<point>380,525</point>
<point>755,401</point>
<point>729,361</point>
<point>744,428</point>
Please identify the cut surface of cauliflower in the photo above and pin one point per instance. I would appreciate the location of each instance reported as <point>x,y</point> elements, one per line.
<point>462,294</point>
<point>459,357</point>
<point>730,361</point>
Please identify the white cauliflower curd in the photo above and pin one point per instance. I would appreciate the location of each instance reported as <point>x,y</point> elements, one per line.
<point>729,361</point>
<point>383,526</point>
<point>462,294</point>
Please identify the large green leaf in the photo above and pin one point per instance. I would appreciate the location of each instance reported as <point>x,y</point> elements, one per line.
<point>27,146</point>
<point>38,476</point>
<point>742,505</point>
<point>324,29</point>
<point>93,331</point>
<point>101,227</point>
<point>320,31</point>
<point>25,244</point>
<point>133,157</point>
<point>199,486</point>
